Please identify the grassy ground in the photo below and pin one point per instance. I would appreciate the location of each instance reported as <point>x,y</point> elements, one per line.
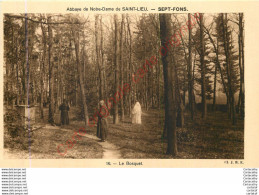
<point>213,138</point>
<point>44,144</point>
<point>46,140</point>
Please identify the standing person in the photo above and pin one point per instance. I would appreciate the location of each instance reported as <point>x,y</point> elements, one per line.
<point>102,124</point>
<point>64,108</point>
<point>136,114</point>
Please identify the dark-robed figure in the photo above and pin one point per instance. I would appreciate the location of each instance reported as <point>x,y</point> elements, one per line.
<point>102,124</point>
<point>64,108</point>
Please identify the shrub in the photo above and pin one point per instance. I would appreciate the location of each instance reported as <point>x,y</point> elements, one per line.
<point>16,132</point>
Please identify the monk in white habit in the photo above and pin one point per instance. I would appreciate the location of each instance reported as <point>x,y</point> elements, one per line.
<point>136,114</point>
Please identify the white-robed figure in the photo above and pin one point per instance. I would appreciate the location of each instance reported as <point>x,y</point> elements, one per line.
<point>136,114</point>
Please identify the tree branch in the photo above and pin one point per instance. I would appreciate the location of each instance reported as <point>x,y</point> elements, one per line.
<point>42,22</point>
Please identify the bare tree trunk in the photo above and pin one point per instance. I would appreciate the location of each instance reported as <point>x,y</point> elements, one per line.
<point>158,79</point>
<point>59,84</point>
<point>169,85</point>
<point>193,71</point>
<point>145,90</point>
<point>42,71</point>
<point>179,101</point>
<point>17,74</point>
<point>217,61</point>
<point>14,68</point>
<point>231,100</point>
<point>51,79</point>
<point>116,63</point>
<point>215,88</point>
<point>203,86</point>
<point>121,67</point>
<point>184,88</point>
<point>125,67</point>
<point>240,68</point>
<point>99,58</point>
<point>190,80</point>
<point>130,64</point>
<point>28,42</point>
<point>80,72</point>
<point>241,63</point>
<point>104,86</point>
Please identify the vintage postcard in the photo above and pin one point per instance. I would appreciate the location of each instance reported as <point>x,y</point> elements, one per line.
<point>129,84</point>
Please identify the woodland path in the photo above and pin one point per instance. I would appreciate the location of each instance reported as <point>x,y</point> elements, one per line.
<point>110,151</point>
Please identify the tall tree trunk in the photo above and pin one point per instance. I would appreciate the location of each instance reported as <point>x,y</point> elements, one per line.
<point>215,88</point>
<point>99,58</point>
<point>169,85</point>
<point>59,82</point>
<point>193,71</point>
<point>184,89</point>
<point>104,86</point>
<point>217,61</point>
<point>158,80</point>
<point>80,72</point>
<point>179,101</point>
<point>26,65</point>
<point>203,85</point>
<point>125,67</point>
<point>116,63</point>
<point>17,74</point>
<point>130,64</point>
<point>240,69</point>
<point>14,68</point>
<point>121,67</point>
<point>226,44</point>
<point>51,79</point>
<point>241,63</point>
<point>145,90</point>
<point>189,70</point>
<point>28,47</point>
<point>158,67</point>
<point>42,71</point>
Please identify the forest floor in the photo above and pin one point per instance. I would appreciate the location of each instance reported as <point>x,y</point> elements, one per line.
<point>44,144</point>
<point>45,141</point>
<point>213,138</point>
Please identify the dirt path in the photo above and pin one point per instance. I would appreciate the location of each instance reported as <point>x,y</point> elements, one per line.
<point>110,151</point>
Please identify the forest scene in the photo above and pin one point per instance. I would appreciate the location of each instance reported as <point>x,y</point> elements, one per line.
<point>130,86</point>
